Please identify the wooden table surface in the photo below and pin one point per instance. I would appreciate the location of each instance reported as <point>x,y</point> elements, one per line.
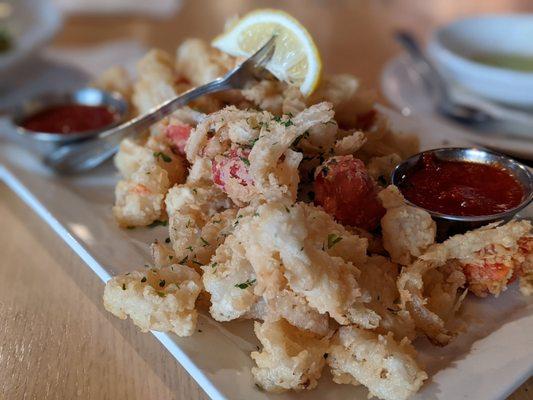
<point>56,340</point>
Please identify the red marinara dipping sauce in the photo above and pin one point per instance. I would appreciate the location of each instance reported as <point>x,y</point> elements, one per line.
<point>69,118</point>
<point>460,188</point>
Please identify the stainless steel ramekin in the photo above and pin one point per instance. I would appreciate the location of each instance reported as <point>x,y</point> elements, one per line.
<point>451,224</point>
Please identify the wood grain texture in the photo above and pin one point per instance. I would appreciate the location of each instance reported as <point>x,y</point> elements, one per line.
<point>56,340</point>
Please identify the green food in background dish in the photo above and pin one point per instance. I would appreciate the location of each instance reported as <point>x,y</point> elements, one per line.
<point>5,40</point>
<point>508,61</point>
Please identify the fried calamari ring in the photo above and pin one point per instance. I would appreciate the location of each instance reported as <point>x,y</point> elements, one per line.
<point>159,299</point>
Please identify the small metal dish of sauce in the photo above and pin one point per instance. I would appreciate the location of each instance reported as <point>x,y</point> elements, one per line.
<point>464,188</point>
<point>64,118</point>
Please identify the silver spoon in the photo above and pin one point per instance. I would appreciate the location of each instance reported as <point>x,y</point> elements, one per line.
<point>437,86</point>
<point>81,156</point>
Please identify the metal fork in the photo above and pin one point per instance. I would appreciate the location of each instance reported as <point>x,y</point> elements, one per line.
<point>81,156</point>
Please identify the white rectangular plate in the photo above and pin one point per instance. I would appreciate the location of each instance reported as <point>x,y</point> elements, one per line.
<point>487,362</point>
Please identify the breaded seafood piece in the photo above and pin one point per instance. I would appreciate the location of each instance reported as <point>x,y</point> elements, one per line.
<point>349,144</point>
<point>200,63</point>
<point>190,206</point>
<point>162,255</point>
<point>382,141</point>
<point>289,359</point>
<point>133,155</point>
<point>115,79</point>
<point>450,258</point>
<point>496,265</point>
<point>159,299</point>
<point>250,151</point>
<point>387,368</point>
<point>407,231</point>
<point>270,176</point>
<point>296,310</point>
<point>342,90</point>
<point>230,280</point>
<point>148,171</point>
<point>275,96</point>
<point>156,83</point>
<point>294,260</point>
<point>285,247</point>
<point>525,270</point>
<point>378,277</point>
<point>139,199</point>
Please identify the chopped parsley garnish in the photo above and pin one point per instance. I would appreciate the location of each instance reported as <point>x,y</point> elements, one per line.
<point>123,286</point>
<point>217,221</point>
<point>143,279</point>
<point>287,209</point>
<point>205,242</point>
<point>188,224</point>
<point>167,240</point>
<point>170,257</point>
<point>256,214</point>
<point>333,239</point>
<point>245,161</point>
<point>162,283</point>
<point>189,248</point>
<point>162,156</point>
<point>246,284</point>
<point>184,260</point>
<point>287,122</point>
<point>158,222</point>
<point>160,294</point>
<point>214,265</point>
<point>253,141</point>
<point>195,191</point>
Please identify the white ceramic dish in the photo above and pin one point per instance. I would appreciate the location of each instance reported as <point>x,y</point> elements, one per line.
<point>31,24</point>
<point>486,363</point>
<point>405,91</point>
<point>453,46</point>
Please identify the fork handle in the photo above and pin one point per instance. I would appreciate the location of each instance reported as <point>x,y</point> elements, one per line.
<point>81,156</point>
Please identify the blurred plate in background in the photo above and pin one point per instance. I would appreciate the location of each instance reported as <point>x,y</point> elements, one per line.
<point>404,89</point>
<point>30,25</point>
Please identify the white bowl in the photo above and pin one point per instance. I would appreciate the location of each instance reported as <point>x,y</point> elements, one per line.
<point>453,46</point>
<point>32,24</point>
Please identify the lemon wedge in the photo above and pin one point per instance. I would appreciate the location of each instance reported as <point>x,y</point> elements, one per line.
<point>296,59</point>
